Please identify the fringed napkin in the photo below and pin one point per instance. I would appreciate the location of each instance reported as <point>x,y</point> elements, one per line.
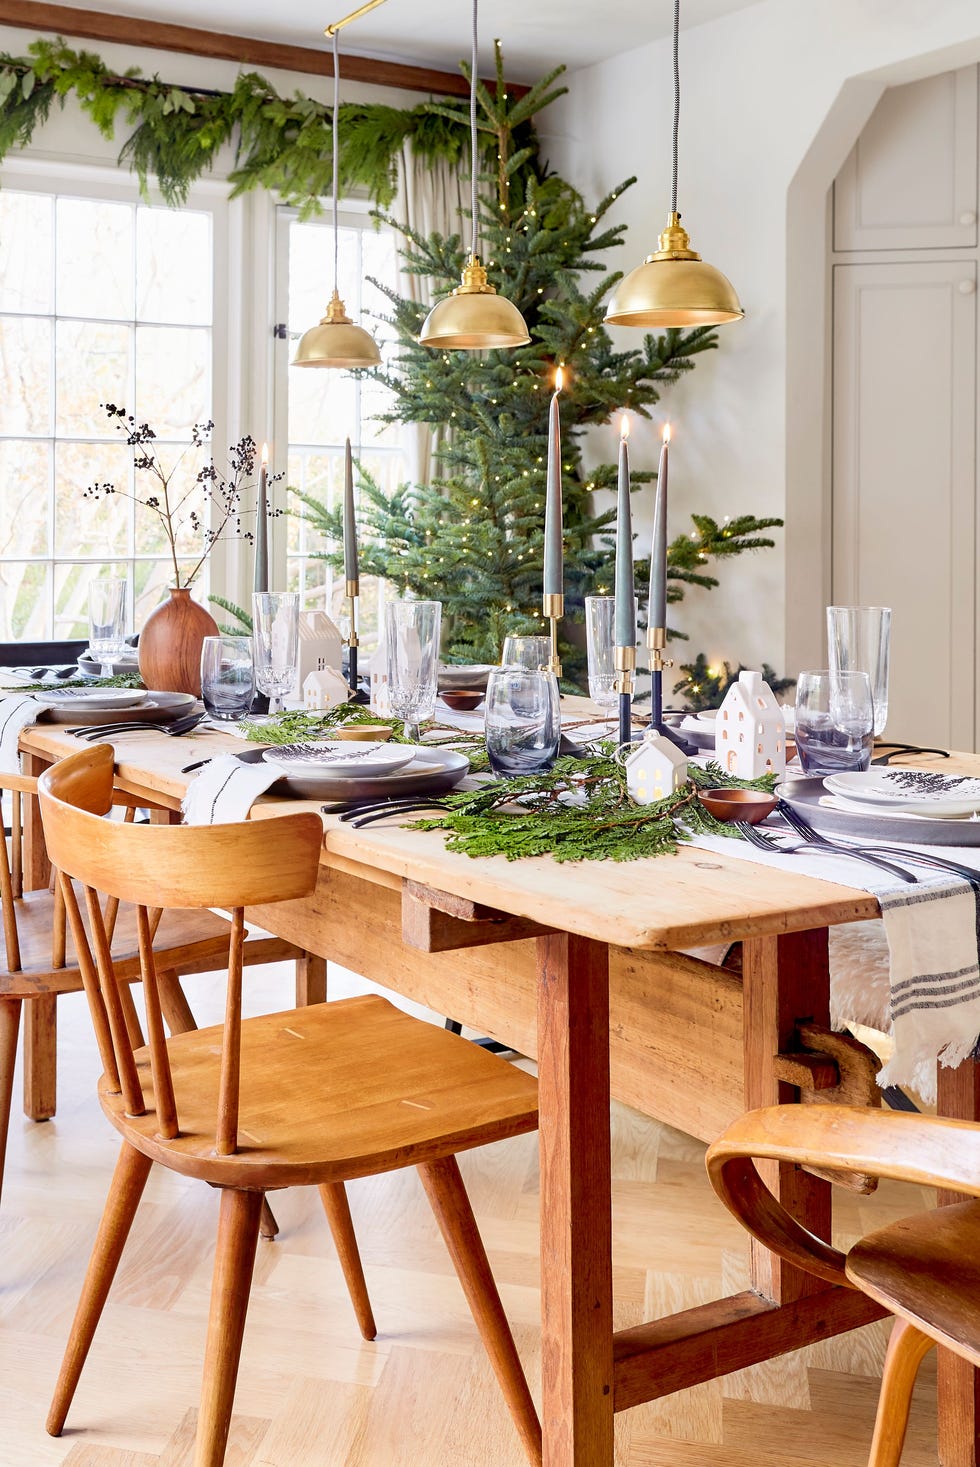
<point>16,712</point>
<point>225,790</point>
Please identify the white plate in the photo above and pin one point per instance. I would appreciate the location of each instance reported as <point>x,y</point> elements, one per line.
<point>339,759</point>
<point>915,791</point>
<point>84,698</point>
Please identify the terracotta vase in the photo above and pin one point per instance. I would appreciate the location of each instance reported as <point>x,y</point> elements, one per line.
<point>170,643</point>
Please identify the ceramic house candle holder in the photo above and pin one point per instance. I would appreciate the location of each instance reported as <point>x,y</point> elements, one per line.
<point>323,689</point>
<point>750,731</point>
<point>320,647</point>
<point>655,769</point>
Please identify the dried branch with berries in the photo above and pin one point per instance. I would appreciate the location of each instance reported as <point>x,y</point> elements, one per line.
<point>208,515</point>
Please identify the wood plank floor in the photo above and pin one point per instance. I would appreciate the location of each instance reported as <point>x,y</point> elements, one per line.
<point>311,1393</point>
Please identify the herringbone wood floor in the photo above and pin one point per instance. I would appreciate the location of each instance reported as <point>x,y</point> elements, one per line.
<point>310,1393</point>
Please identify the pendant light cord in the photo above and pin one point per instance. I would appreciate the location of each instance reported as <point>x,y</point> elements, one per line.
<point>474,251</point>
<point>677,104</point>
<point>336,159</point>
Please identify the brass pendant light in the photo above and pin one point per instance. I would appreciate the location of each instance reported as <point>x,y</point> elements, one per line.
<point>673,286</point>
<point>337,342</point>
<point>474,317</point>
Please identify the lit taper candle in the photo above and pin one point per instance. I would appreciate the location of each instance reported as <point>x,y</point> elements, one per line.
<point>657,614</point>
<point>625,589</point>
<point>350,528</point>
<point>261,576</point>
<point>554,577</point>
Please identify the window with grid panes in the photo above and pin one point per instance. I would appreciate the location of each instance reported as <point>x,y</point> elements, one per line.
<point>100,301</point>
<point>325,407</point>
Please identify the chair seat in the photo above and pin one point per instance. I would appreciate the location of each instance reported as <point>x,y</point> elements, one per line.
<point>379,1090</point>
<point>927,1269</point>
<point>193,941</point>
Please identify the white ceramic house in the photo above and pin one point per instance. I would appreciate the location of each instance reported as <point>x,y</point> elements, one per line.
<point>750,732</point>
<point>320,646</point>
<point>654,769</point>
<point>323,689</point>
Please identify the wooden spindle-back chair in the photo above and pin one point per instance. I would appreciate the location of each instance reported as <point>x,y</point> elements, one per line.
<point>925,1270</point>
<point>314,1096</point>
<point>40,960</point>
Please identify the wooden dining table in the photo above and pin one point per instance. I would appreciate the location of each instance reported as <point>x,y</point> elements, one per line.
<point>585,968</point>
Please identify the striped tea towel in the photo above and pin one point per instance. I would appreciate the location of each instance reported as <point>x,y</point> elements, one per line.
<point>225,790</point>
<point>933,933</point>
<point>16,712</point>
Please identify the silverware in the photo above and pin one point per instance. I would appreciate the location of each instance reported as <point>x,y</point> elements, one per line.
<point>93,732</point>
<point>763,842</point>
<point>802,826</point>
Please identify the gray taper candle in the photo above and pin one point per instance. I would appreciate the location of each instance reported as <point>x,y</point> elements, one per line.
<point>657,614</point>
<point>260,580</point>
<point>625,590</point>
<point>554,574</point>
<point>350,528</point>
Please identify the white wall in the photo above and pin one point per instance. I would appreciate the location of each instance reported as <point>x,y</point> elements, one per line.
<point>773,98</point>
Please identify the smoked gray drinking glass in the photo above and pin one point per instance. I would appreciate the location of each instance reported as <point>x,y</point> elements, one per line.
<point>859,640</point>
<point>834,721</point>
<point>529,652</point>
<point>412,630</point>
<point>523,720</point>
<point>275,639</point>
<point>227,677</point>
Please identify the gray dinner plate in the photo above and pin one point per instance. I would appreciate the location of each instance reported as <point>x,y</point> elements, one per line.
<point>156,708</point>
<point>805,795</point>
<point>432,772</point>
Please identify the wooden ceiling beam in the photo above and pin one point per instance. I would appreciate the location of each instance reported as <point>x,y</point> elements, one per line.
<point>97,25</point>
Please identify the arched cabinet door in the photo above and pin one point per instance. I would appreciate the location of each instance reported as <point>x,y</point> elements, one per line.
<point>911,179</point>
<point>904,480</point>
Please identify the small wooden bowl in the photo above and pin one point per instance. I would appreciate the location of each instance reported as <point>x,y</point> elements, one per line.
<point>748,805</point>
<point>377,733</point>
<point>463,702</point>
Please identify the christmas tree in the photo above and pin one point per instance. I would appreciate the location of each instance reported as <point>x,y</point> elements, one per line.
<point>472,538</point>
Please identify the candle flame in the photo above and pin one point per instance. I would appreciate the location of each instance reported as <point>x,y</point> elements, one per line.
<point>624,427</point>
<point>666,432</point>
<point>559,378</point>
<point>265,455</point>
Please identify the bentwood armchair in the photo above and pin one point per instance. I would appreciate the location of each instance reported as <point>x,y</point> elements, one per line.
<point>925,1269</point>
<point>39,958</point>
<point>311,1097</point>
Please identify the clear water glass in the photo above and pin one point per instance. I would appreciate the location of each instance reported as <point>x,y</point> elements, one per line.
<point>523,720</point>
<point>412,631</point>
<point>859,640</point>
<point>275,643</point>
<point>600,640</point>
<point>834,721</point>
<point>227,677</point>
<point>107,620</point>
<point>528,652</point>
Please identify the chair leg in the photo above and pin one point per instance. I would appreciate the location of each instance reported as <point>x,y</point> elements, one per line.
<point>333,1195</point>
<point>238,1233</point>
<point>128,1181</point>
<point>447,1197</point>
<point>907,1346</point>
<point>176,1010</point>
<point>9,1030</point>
<point>311,980</point>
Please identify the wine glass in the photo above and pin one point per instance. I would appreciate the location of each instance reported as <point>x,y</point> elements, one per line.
<point>834,721</point>
<point>412,631</point>
<point>523,720</point>
<point>107,620</point>
<point>275,632</point>
<point>227,677</point>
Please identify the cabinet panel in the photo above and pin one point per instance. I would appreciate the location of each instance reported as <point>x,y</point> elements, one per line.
<point>904,465</point>
<point>911,179</point>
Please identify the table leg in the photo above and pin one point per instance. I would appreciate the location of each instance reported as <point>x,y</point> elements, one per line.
<point>958,1381</point>
<point>311,980</point>
<point>786,981</point>
<point>40,1015</point>
<point>576,1205</point>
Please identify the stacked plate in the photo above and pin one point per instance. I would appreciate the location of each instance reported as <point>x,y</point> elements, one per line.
<point>334,770</point>
<point>922,792</point>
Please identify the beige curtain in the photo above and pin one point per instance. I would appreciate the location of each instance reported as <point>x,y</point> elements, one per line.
<point>430,200</point>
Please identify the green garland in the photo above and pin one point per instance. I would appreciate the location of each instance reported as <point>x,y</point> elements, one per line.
<point>281,143</point>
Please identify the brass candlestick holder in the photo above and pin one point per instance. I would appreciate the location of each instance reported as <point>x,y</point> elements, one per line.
<point>624,662</point>
<point>553,607</point>
<point>351,592</point>
<point>656,642</point>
